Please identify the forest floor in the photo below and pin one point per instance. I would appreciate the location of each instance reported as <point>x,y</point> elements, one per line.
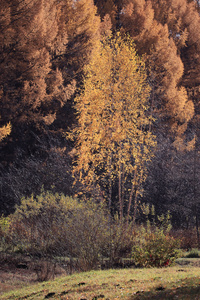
<point>19,279</point>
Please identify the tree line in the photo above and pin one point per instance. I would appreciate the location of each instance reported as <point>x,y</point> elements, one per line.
<point>101,98</point>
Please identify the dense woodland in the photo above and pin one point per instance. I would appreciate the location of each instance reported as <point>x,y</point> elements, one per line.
<point>60,61</point>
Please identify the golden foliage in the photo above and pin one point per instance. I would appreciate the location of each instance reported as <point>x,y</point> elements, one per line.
<point>4,131</point>
<point>112,131</point>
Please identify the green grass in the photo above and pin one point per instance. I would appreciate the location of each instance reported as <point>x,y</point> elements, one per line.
<point>193,253</point>
<point>178,282</point>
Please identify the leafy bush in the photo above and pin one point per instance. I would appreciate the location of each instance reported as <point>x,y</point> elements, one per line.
<point>87,233</point>
<point>154,247</point>
<point>119,241</point>
<point>37,224</point>
<point>5,243</point>
<point>54,224</point>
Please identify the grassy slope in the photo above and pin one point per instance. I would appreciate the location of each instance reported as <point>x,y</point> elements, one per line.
<point>182,282</point>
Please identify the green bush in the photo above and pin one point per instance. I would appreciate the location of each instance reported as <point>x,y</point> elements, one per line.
<point>37,224</point>
<point>54,224</point>
<point>87,233</point>
<point>154,247</point>
<point>5,243</point>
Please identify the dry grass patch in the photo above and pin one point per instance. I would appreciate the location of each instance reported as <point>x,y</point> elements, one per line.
<point>117,284</point>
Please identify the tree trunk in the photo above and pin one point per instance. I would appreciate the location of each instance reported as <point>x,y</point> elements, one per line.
<point>120,186</point>
<point>131,194</point>
<point>195,196</point>
<point>120,194</point>
<point>110,185</point>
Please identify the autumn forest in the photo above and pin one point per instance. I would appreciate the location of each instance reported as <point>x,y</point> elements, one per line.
<point>101,99</point>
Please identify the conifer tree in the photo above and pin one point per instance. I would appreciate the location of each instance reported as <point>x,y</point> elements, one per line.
<point>149,23</point>
<point>107,7</point>
<point>43,48</point>
<point>82,26</point>
<point>28,37</point>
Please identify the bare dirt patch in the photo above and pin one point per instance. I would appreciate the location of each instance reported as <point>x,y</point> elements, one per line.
<point>19,271</point>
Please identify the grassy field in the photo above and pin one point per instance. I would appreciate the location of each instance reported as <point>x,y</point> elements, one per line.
<point>178,282</point>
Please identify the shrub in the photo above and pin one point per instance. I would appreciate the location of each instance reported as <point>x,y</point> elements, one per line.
<point>154,247</point>
<point>188,238</point>
<point>5,243</point>
<point>54,224</point>
<point>37,224</point>
<point>119,242</point>
<point>87,230</point>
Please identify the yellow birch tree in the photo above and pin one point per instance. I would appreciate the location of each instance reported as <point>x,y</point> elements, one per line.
<point>113,139</point>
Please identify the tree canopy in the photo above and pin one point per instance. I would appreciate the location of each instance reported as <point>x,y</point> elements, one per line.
<point>113,136</point>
